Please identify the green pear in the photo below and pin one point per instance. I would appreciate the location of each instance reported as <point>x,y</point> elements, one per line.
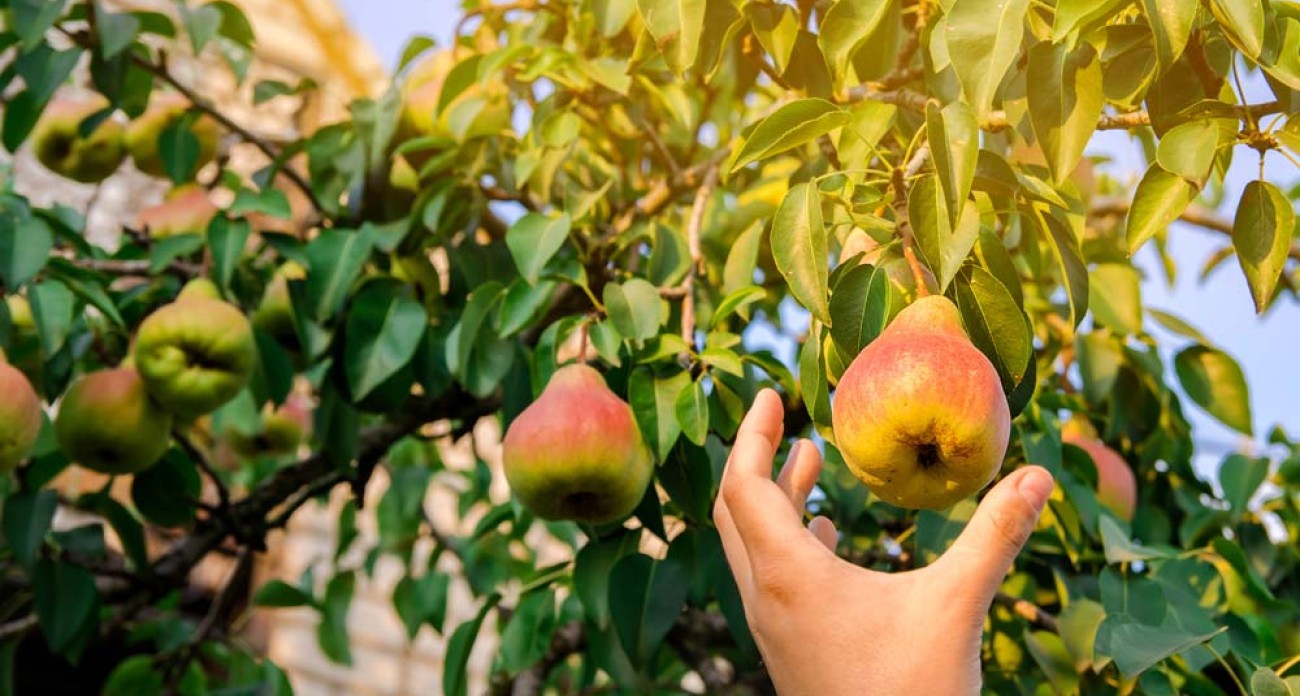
<point>186,210</point>
<point>283,430</point>
<point>143,134</point>
<point>199,288</point>
<point>576,452</point>
<point>195,354</point>
<point>275,313</point>
<point>59,145</point>
<point>20,418</point>
<point>920,415</point>
<point>108,423</point>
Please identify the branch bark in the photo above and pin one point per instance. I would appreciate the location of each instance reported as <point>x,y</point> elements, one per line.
<point>1195,215</point>
<point>1029,611</point>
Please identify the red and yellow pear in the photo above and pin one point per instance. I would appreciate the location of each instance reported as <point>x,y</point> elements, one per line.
<point>20,417</point>
<point>920,415</point>
<point>283,430</point>
<point>186,210</point>
<point>144,132</point>
<point>59,145</point>
<point>108,423</point>
<point>576,452</point>
<point>1116,484</point>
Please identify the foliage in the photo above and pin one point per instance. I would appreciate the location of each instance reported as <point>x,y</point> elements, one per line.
<point>668,182</point>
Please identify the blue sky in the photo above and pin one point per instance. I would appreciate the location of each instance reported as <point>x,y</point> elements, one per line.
<point>1268,349</point>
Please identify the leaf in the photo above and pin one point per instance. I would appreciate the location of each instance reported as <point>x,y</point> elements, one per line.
<point>645,597</point>
<point>736,303</point>
<point>635,308</point>
<point>1160,198</point>
<point>1265,682</point>
<point>1243,23</point>
<point>743,259</point>
<point>179,149</point>
<point>591,572</point>
<point>944,247</point>
<point>1114,296</point>
<point>534,239</point>
<point>1188,149</point>
<point>53,309</point>
<point>134,676</point>
<point>25,243</point>
<point>527,634</point>
<point>983,38</point>
<point>32,18</point>
<point>384,327</point>
<point>227,240</point>
<point>201,23</point>
<point>27,518</point>
<point>1261,234</point>
<point>1171,22</point>
<point>844,29</point>
<point>777,29</point>
<point>164,493</point>
<point>995,323</point>
<point>1099,360</point>
<point>813,381</point>
<point>277,593</point>
<point>66,603</point>
<point>954,145</point>
<point>794,124</point>
<point>862,305</point>
<point>670,257</point>
<point>455,677</point>
<point>799,247</point>
<point>461,342</point>
<point>1049,651</point>
<point>332,631</point>
<point>523,304</point>
<point>1240,476</point>
<point>1078,624</point>
<point>335,258</point>
<point>676,26</point>
<point>1216,383</point>
<point>1073,16</point>
<point>1064,90</point>
<point>1176,325</point>
<point>692,411</point>
<point>1120,549</point>
<point>654,402</point>
<point>116,32</point>
<point>1136,646</point>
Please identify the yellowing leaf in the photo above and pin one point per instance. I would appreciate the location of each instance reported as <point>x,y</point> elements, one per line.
<point>1160,198</point>
<point>676,26</point>
<point>1065,99</point>
<point>983,38</point>
<point>844,29</point>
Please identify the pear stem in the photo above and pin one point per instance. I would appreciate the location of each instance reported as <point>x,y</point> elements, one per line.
<point>582,342</point>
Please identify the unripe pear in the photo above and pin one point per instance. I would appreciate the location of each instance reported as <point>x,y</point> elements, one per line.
<point>283,430</point>
<point>576,452</point>
<point>20,314</point>
<point>20,417</point>
<point>195,355</point>
<point>144,132</point>
<point>920,415</point>
<point>108,423</point>
<point>200,288</point>
<point>275,313</point>
<point>1116,484</point>
<point>59,145</point>
<point>186,210</point>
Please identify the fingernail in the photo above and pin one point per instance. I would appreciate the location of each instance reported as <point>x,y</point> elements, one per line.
<point>1035,486</point>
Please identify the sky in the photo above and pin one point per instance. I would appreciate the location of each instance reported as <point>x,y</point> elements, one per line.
<point>1267,348</point>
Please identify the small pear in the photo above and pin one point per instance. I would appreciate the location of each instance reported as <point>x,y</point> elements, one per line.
<point>20,417</point>
<point>576,453</point>
<point>920,415</point>
<point>1116,484</point>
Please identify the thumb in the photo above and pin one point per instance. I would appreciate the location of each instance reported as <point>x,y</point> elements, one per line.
<point>982,555</point>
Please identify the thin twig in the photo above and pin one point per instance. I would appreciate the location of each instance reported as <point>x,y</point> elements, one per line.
<point>18,627</point>
<point>693,231</point>
<point>223,493</point>
<point>904,223</point>
<point>1194,215</point>
<point>1029,611</point>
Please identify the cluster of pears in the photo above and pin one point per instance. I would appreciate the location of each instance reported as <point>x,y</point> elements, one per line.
<point>190,357</point>
<point>78,138</point>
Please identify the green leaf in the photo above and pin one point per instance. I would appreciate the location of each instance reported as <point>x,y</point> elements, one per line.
<point>25,243</point>
<point>1176,325</point>
<point>645,597</point>
<point>1136,646</point>
<point>1073,16</point>
<point>178,148</point>
<point>862,305</point>
<point>635,308</point>
<point>1171,22</point>
<point>1188,149</point>
<point>670,257</point>
<point>234,25</point>
<point>692,411</point>
<point>1099,360</point>
<point>163,251</point>
<point>54,309</point>
<point>983,38</point>
<point>743,259</point>
<point>777,27</point>
<point>116,32</point>
<point>27,518</point>
<point>271,202</point>
<point>794,124</point>
<point>1240,476</point>
<point>1119,548</point>
<point>1265,682</point>
<point>455,677</point>
<point>1065,99</point>
<point>461,342</point>
<point>66,603</point>
<point>384,327</point>
<point>1261,234</point>
<point>335,258</point>
<point>1078,624</point>
<point>676,26</point>
<point>799,247</point>
<point>813,381</point>
<point>227,240</point>
<point>332,632</point>
<point>654,402</point>
<point>607,341</point>
<point>954,145</point>
<point>534,239</point>
<point>127,527</point>
<point>420,601</point>
<point>995,323</point>
<point>164,493</point>
<point>1160,198</point>
<point>277,593</point>
<point>1049,651</point>
<point>1243,23</point>
<point>44,70</point>
<point>1216,383</point>
<point>943,246</point>
<point>32,18</point>
<point>135,676</point>
<point>527,634</point>
<point>844,29</point>
<point>523,304</point>
<point>736,303</point>
<point>201,23</point>
<point>1114,296</point>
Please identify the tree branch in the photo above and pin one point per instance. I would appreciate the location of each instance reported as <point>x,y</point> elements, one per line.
<point>693,229</point>
<point>1028,611</point>
<point>18,627</point>
<point>1194,215</point>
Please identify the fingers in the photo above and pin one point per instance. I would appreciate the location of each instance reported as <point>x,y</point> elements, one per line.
<point>800,473</point>
<point>822,528</point>
<point>982,555</point>
<point>732,547</point>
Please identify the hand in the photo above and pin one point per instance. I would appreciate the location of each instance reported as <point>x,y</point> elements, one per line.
<point>826,626</point>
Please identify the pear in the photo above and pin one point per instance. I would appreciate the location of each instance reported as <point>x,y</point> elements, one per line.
<point>108,423</point>
<point>1116,484</point>
<point>59,144</point>
<point>20,417</point>
<point>186,210</point>
<point>576,452</point>
<point>920,415</point>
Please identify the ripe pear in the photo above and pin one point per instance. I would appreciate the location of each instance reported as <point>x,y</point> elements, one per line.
<point>1116,484</point>
<point>283,430</point>
<point>576,452</point>
<point>920,415</point>
<point>59,145</point>
<point>144,132</point>
<point>20,418</point>
<point>186,210</point>
<point>195,354</point>
<point>108,423</point>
